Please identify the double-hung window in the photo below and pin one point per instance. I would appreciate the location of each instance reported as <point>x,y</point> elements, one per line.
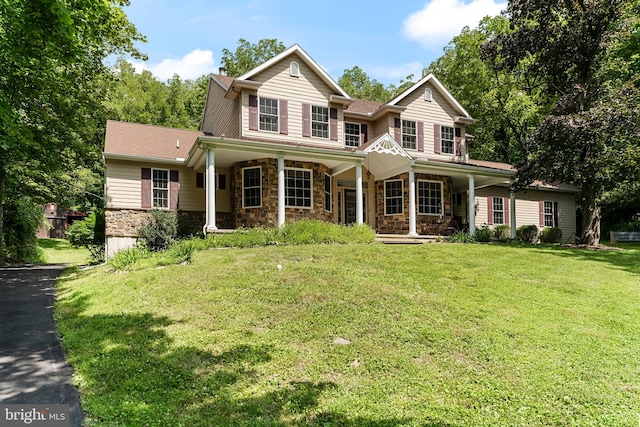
<point>319,121</point>
<point>409,134</point>
<point>498,210</point>
<point>447,141</point>
<point>352,134</point>
<point>252,187</point>
<point>549,214</point>
<point>298,193</point>
<point>393,200</point>
<point>429,197</point>
<point>160,178</point>
<point>269,114</point>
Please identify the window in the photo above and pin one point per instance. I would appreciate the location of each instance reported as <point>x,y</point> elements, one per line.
<point>498,210</point>
<point>446,140</point>
<point>160,188</point>
<point>393,201</point>
<point>549,214</point>
<point>297,188</point>
<point>252,187</point>
<point>409,134</point>
<point>352,134</point>
<point>320,122</point>
<point>327,192</point>
<point>269,114</point>
<point>294,69</point>
<point>429,197</point>
<point>428,95</point>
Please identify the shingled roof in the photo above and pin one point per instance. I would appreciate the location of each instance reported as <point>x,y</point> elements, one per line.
<point>137,140</point>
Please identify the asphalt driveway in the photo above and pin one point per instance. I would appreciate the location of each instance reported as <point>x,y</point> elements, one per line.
<point>33,367</point>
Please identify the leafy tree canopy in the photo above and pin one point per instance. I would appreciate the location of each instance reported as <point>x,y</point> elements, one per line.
<point>248,56</point>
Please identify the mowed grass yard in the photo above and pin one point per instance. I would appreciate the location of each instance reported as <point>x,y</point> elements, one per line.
<point>360,335</point>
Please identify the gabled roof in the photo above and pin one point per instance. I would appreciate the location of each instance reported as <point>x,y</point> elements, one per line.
<point>129,140</point>
<point>306,58</point>
<point>440,88</point>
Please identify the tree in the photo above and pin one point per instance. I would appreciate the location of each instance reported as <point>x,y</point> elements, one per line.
<point>591,128</point>
<point>51,121</point>
<point>248,56</point>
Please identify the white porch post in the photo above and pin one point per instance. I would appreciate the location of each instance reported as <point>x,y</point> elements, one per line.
<point>412,202</point>
<point>281,212</point>
<point>211,192</point>
<point>512,213</point>
<point>359,215</point>
<point>472,205</point>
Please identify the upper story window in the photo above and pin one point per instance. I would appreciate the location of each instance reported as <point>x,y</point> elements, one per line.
<point>429,197</point>
<point>160,182</point>
<point>446,140</point>
<point>297,188</point>
<point>294,69</point>
<point>252,187</point>
<point>352,134</point>
<point>409,134</point>
<point>268,114</point>
<point>428,95</point>
<point>319,121</point>
<point>393,199</point>
<point>498,210</point>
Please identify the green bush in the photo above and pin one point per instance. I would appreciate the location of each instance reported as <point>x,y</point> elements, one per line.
<point>89,233</point>
<point>502,232</point>
<point>483,234</point>
<point>527,233</point>
<point>22,218</point>
<point>551,235</point>
<point>126,258</point>
<point>160,230</point>
<point>461,237</point>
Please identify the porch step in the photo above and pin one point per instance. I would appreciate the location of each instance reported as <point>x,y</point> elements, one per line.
<point>403,239</point>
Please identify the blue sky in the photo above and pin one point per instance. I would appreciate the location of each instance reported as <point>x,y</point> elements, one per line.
<point>388,39</point>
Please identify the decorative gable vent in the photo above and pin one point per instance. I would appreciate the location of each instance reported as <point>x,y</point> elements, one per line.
<point>428,95</point>
<point>294,69</point>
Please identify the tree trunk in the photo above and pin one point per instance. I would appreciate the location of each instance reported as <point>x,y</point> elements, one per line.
<point>590,234</point>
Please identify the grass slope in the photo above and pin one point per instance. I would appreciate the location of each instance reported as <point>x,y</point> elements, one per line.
<point>439,335</point>
<point>60,251</point>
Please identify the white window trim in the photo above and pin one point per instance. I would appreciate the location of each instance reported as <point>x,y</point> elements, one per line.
<point>428,94</point>
<point>328,122</point>
<point>168,189</point>
<point>359,134</point>
<point>294,69</point>
<point>402,134</point>
<point>243,187</point>
<point>310,186</point>
<point>401,197</point>
<point>277,115</point>
<point>453,141</point>
<point>441,197</point>
<point>330,193</point>
<point>493,211</point>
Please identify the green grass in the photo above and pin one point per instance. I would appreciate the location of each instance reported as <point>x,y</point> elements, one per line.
<point>60,251</point>
<point>440,335</point>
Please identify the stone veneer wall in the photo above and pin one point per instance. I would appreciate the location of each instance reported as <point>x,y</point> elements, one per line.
<point>267,214</point>
<point>127,222</point>
<point>399,224</point>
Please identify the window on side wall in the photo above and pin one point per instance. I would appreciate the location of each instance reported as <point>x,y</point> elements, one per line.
<point>429,197</point>
<point>160,184</point>
<point>269,114</point>
<point>409,134</point>
<point>549,214</point>
<point>252,187</point>
<point>498,210</point>
<point>447,141</point>
<point>319,122</point>
<point>393,200</point>
<point>298,189</point>
<point>352,134</point>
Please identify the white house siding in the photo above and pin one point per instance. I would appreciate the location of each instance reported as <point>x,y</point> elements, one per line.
<point>221,116</point>
<point>308,88</point>
<point>528,208</point>
<point>122,184</point>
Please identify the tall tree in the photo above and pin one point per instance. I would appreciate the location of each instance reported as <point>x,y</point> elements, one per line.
<point>248,56</point>
<point>51,52</point>
<point>593,121</point>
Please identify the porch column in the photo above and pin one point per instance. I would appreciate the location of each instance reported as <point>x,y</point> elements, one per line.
<point>472,205</point>
<point>211,192</point>
<point>281,214</point>
<point>412,202</point>
<point>512,213</point>
<point>359,215</point>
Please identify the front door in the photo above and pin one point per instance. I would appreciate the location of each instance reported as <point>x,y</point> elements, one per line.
<point>350,207</point>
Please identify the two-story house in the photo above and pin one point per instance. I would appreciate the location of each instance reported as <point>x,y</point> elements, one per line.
<point>284,142</point>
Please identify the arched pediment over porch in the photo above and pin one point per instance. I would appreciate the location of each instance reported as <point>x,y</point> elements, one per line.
<point>385,157</point>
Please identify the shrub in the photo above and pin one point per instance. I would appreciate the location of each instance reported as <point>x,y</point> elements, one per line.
<point>22,218</point>
<point>160,230</point>
<point>461,237</point>
<point>502,232</point>
<point>89,233</point>
<point>551,235</point>
<point>126,257</point>
<point>483,234</point>
<point>527,233</point>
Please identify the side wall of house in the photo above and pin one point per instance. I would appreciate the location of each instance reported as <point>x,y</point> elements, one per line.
<point>221,115</point>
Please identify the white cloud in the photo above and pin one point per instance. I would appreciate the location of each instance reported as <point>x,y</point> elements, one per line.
<point>191,66</point>
<point>440,20</point>
<point>395,74</point>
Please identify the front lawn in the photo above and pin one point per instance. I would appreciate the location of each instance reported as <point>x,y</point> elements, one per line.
<point>360,335</point>
<point>60,251</point>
